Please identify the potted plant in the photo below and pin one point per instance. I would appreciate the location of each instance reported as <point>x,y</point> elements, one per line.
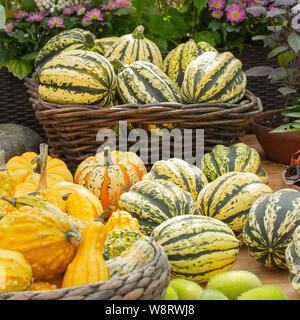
<point>278,138</point>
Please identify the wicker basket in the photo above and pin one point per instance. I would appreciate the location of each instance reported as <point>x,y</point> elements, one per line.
<point>71,129</point>
<point>147,283</point>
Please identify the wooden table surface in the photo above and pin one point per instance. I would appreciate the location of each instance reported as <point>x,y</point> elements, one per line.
<point>267,276</point>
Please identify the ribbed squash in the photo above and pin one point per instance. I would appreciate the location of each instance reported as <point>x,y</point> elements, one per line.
<point>27,168</point>
<point>292,257</point>
<point>142,82</point>
<point>197,247</point>
<point>78,77</point>
<point>137,256</point>
<point>110,173</point>
<point>188,177</point>
<point>153,202</point>
<point>238,157</point>
<point>15,271</point>
<point>230,197</point>
<point>47,240</point>
<point>178,59</point>
<point>119,241</point>
<point>270,226</point>
<point>7,185</point>
<point>135,47</point>
<point>88,265</point>
<point>214,77</point>
<point>120,220</point>
<point>73,39</point>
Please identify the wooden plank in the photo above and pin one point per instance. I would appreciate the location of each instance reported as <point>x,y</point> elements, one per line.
<point>267,276</point>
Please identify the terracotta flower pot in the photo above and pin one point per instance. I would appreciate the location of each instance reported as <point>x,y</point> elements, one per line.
<point>277,146</point>
<point>292,186</point>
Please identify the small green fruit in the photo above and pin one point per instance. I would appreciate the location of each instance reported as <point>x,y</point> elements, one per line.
<point>212,294</point>
<point>233,283</point>
<point>171,294</point>
<point>186,289</point>
<point>263,293</point>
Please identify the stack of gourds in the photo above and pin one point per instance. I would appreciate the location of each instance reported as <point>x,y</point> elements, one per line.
<point>76,68</point>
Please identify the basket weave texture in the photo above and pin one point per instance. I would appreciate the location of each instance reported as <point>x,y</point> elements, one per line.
<point>71,129</point>
<point>147,283</point>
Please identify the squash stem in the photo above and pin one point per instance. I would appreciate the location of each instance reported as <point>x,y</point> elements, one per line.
<point>119,65</point>
<point>107,157</point>
<point>138,33</point>
<point>89,40</point>
<point>104,214</point>
<point>43,163</point>
<point>2,161</point>
<point>13,201</point>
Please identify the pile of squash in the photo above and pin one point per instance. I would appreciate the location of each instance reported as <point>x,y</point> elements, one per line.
<point>76,68</point>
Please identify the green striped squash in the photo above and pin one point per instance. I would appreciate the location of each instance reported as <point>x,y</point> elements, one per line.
<point>135,47</point>
<point>292,257</point>
<point>142,82</point>
<point>214,77</point>
<point>187,176</point>
<point>197,247</point>
<point>178,59</point>
<point>74,39</point>
<point>230,197</point>
<point>270,226</point>
<point>152,202</point>
<point>78,77</point>
<point>107,42</point>
<point>238,157</point>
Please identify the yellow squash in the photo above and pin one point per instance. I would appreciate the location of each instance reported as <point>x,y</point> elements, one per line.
<point>47,240</point>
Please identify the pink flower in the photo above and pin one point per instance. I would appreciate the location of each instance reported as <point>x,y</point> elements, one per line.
<point>9,27</point>
<point>68,11</point>
<point>112,5</point>
<point>216,4</point>
<point>235,13</point>
<point>123,4</point>
<point>37,17</point>
<point>20,14</point>
<point>80,11</point>
<point>95,14</point>
<point>56,22</point>
<point>218,14</point>
<point>79,8</point>
<point>86,21</point>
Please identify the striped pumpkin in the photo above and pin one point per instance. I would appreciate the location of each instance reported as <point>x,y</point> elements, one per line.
<point>178,59</point>
<point>238,157</point>
<point>197,247</point>
<point>74,39</point>
<point>135,47</point>
<point>188,177</point>
<point>270,226</point>
<point>214,77</point>
<point>78,77</point>
<point>153,202</point>
<point>144,83</point>
<point>109,174</point>
<point>230,197</point>
<point>292,257</point>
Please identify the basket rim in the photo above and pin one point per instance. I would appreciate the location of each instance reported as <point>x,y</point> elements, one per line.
<point>158,253</point>
<point>32,88</point>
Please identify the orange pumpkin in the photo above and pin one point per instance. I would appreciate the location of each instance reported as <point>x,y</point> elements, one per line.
<point>109,174</point>
<point>27,168</point>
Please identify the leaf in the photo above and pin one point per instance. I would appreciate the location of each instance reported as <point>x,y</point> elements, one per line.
<point>30,56</point>
<point>293,114</point>
<point>2,16</point>
<point>19,68</point>
<point>286,90</point>
<point>260,71</point>
<point>285,128</point>
<point>286,3</point>
<point>276,51</point>
<point>214,25</point>
<point>257,10</point>
<point>295,22</point>
<point>140,6</point>
<point>274,28</point>
<point>5,56</point>
<point>294,41</point>
<point>206,36</point>
<point>277,74</point>
<point>123,11</point>
<point>275,13</point>
<point>260,37</point>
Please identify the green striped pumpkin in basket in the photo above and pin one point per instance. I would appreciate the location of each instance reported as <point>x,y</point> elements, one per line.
<point>271,223</point>
<point>292,257</point>
<point>78,77</point>
<point>74,39</point>
<point>214,77</point>
<point>178,59</point>
<point>197,247</point>
<point>135,47</point>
